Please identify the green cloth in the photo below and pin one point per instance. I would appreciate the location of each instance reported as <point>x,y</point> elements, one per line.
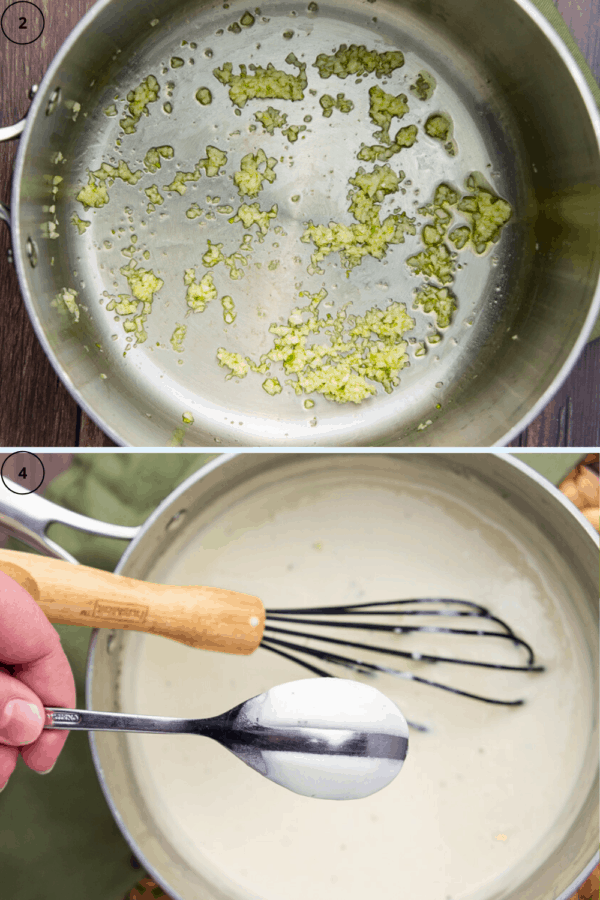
<point>58,839</point>
<point>57,836</point>
<point>553,466</point>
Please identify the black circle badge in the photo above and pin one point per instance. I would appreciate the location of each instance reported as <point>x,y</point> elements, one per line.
<point>23,472</point>
<point>22,22</point>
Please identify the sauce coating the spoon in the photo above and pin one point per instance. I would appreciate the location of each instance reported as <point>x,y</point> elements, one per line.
<point>337,706</point>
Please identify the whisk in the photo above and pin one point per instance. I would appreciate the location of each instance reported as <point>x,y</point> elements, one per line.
<point>228,621</point>
<point>398,608</point>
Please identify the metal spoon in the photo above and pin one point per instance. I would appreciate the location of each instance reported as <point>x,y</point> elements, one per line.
<point>321,737</point>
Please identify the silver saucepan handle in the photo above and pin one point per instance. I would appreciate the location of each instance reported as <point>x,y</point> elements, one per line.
<point>27,517</point>
<point>12,131</point>
<point>7,134</point>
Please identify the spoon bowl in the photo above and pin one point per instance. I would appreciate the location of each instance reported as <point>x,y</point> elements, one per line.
<point>329,738</point>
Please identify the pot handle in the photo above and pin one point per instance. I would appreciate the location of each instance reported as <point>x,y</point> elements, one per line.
<point>8,133</point>
<point>27,517</point>
<point>12,131</point>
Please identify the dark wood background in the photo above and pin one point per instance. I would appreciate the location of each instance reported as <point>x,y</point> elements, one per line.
<point>37,411</point>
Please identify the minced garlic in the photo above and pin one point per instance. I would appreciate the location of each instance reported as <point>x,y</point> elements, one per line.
<point>269,83</point>
<point>424,85</point>
<point>370,237</point>
<point>214,162</point>
<point>95,193</point>
<point>67,297</point>
<point>441,128</point>
<point>460,237</point>
<point>272,386</point>
<point>229,314</point>
<point>271,118</point>
<point>153,195</point>
<point>357,60</point>
<point>384,107</point>
<point>435,262</point>
<point>252,215</point>
<point>145,93</point>
<point>328,104</point>
<point>440,301</point>
<point>153,156</point>
<point>199,293</point>
<point>80,224</point>
<point>178,337</point>
<point>179,182</point>
<point>233,361</point>
<point>204,96</point>
<point>487,212</point>
<point>249,179</point>
<point>405,137</point>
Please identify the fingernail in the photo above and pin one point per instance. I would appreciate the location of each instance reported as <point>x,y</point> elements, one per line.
<point>47,771</point>
<point>20,723</point>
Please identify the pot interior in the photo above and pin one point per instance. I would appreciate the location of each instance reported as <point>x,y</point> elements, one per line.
<point>521,305</point>
<point>493,802</point>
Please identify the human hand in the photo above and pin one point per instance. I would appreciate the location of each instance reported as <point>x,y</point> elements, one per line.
<point>34,672</point>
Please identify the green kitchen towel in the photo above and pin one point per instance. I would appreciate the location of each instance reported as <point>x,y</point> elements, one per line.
<point>553,466</point>
<point>58,839</point>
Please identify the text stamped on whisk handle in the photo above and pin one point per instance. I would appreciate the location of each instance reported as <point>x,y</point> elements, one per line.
<point>120,612</point>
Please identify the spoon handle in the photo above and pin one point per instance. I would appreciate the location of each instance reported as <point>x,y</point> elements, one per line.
<point>206,617</point>
<point>346,741</point>
<point>84,720</point>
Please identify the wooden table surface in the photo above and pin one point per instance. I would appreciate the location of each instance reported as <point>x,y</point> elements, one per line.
<point>37,411</point>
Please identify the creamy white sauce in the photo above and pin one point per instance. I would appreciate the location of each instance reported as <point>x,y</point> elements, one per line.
<point>479,794</point>
<point>338,705</point>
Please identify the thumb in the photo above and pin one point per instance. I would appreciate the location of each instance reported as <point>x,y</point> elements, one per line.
<point>21,712</point>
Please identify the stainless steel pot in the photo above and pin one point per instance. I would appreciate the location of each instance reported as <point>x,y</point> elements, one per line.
<point>523,115</point>
<point>214,488</point>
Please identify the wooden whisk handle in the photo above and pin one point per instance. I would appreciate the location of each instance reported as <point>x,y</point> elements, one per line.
<point>206,617</point>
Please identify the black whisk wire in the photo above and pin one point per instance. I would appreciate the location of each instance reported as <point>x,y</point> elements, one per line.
<point>414,725</point>
<point>299,616</point>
